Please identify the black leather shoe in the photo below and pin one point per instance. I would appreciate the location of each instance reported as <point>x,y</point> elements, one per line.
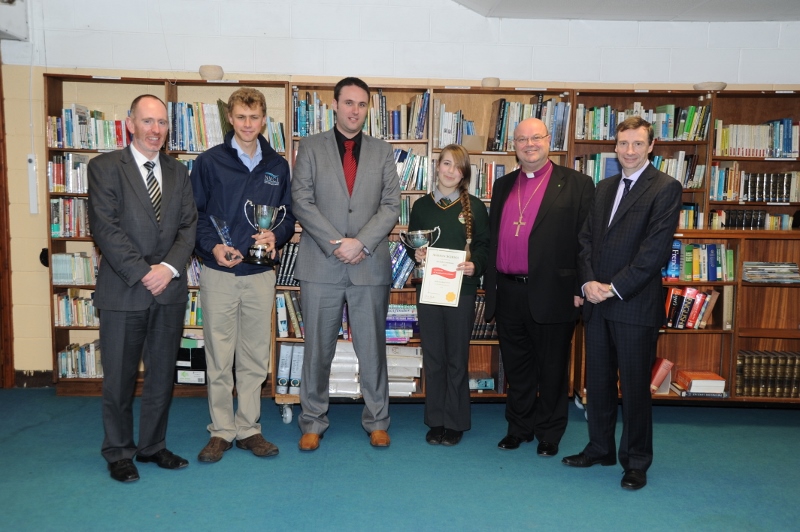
<point>634,479</point>
<point>164,458</point>
<point>435,435</point>
<point>547,449</point>
<point>581,460</point>
<point>451,437</point>
<point>124,470</point>
<point>512,442</point>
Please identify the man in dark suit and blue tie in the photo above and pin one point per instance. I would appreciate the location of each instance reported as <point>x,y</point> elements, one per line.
<point>143,218</point>
<point>624,243</point>
<point>346,195</point>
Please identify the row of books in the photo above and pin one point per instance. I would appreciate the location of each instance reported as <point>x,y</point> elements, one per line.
<point>77,268</point>
<point>683,167</point>
<point>406,122</point>
<point>404,366</point>
<point>692,383</point>
<point>72,309</point>
<point>729,183</point>
<point>402,264</point>
<point>482,178</point>
<point>195,126</point>
<point>311,115</point>
<point>700,262</point>
<point>402,323</point>
<point>480,329</point>
<point>775,139</point>
<point>290,368</point>
<point>768,374</point>
<point>749,219</point>
<point>193,269</point>
<point>80,361</point>
<point>412,168</point>
<point>598,166</point>
<point>689,307</point>
<point>68,173</point>
<point>450,127</point>
<point>285,273</point>
<point>290,315</point>
<point>194,309</point>
<point>80,128</point>
<point>69,218</point>
<point>770,272</point>
<point>670,122</point>
<point>505,115</point>
<point>690,216</point>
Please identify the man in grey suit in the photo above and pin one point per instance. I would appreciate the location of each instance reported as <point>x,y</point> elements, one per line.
<point>346,195</point>
<point>625,241</point>
<point>143,218</point>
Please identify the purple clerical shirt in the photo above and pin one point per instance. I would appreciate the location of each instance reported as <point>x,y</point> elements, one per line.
<point>512,248</point>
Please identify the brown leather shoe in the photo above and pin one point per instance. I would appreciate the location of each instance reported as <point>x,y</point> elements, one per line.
<point>258,445</point>
<point>309,442</point>
<point>379,438</point>
<point>213,450</point>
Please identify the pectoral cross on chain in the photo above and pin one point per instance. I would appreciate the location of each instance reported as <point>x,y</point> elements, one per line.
<point>518,223</point>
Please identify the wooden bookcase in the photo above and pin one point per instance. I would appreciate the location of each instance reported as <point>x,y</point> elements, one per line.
<point>763,315</point>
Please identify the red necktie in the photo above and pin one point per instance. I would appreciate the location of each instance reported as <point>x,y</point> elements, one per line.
<point>350,166</point>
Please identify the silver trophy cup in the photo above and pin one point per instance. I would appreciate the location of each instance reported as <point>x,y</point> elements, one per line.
<point>264,217</point>
<point>420,239</point>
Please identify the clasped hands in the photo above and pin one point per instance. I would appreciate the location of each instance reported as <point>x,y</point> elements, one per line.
<point>350,250</point>
<point>157,279</point>
<point>596,292</point>
<point>228,257</point>
<point>467,267</point>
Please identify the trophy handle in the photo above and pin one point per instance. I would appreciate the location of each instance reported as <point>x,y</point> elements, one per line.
<point>281,208</point>
<point>403,236</point>
<point>247,216</point>
<point>438,234</point>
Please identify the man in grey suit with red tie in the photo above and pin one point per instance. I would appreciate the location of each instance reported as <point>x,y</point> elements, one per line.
<point>143,218</point>
<point>624,243</point>
<point>346,195</point>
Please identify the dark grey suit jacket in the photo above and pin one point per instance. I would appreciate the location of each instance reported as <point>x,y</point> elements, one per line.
<point>326,211</point>
<point>123,224</point>
<point>630,252</point>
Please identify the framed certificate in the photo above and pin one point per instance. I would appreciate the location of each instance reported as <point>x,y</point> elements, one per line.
<point>441,283</point>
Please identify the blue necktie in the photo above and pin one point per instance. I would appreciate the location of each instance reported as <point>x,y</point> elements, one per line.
<point>627,183</point>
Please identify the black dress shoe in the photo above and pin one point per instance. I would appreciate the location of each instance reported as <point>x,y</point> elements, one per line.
<point>451,437</point>
<point>581,460</point>
<point>634,479</point>
<point>124,470</point>
<point>164,458</point>
<point>512,442</point>
<point>435,435</point>
<point>546,448</point>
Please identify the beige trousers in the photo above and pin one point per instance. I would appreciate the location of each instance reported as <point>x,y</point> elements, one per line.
<point>237,325</point>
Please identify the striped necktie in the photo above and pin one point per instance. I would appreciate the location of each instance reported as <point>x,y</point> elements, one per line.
<point>153,189</point>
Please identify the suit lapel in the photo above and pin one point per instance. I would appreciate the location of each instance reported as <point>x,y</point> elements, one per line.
<point>364,163</point>
<point>554,188</point>
<point>168,183</point>
<point>609,200</point>
<point>336,160</point>
<point>639,188</point>
<point>134,177</point>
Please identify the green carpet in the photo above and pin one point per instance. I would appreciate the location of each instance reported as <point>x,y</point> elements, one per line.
<point>714,469</point>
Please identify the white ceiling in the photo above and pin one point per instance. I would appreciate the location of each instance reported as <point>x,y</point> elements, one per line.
<point>644,10</point>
